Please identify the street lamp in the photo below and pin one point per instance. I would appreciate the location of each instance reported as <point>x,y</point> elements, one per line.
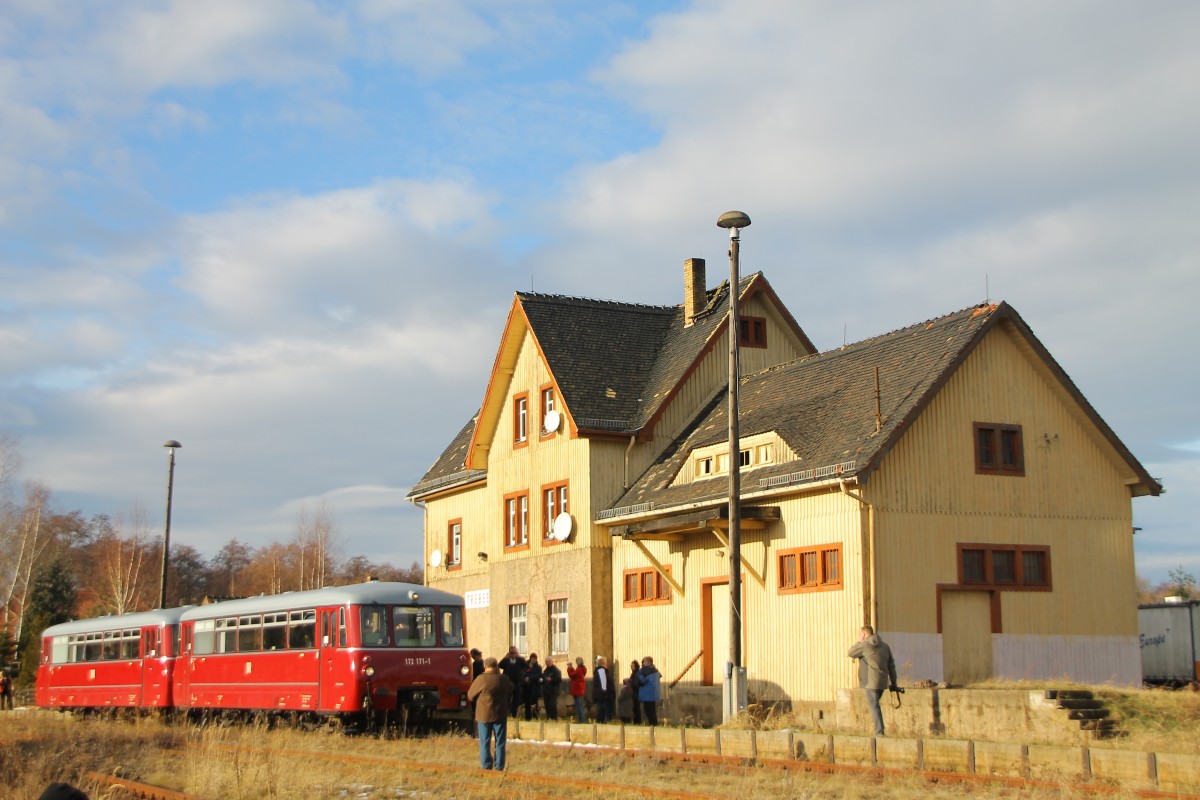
<point>171,446</point>
<point>735,675</point>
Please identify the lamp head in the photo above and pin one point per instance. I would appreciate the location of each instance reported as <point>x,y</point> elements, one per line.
<point>171,444</point>
<point>733,219</point>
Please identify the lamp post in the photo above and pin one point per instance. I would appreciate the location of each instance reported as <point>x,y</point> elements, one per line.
<point>735,702</point>
<point>171,446</point>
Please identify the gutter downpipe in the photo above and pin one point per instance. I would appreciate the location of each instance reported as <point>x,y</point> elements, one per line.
<point>870,604</point>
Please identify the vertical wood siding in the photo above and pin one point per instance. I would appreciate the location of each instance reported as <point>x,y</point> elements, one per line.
<point>1072,498</point>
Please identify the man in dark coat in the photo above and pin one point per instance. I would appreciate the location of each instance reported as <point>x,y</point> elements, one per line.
<point>491,693</point>
<point>876,670</point>
<point>604,690</point>
<point>551,687</point>
<point>513,667</point>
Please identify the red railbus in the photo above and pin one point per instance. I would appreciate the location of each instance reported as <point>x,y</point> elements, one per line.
<point>370,653</point>
<point>124,661</point>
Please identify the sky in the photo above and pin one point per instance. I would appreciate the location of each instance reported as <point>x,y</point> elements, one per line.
<point>287,233</point>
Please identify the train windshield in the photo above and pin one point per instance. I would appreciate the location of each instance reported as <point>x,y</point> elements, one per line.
<point>410,626</point>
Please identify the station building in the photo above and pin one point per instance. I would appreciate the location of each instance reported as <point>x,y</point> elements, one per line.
<point>946,483</point>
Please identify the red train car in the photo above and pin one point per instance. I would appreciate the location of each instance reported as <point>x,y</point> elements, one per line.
<point>124,661</point>
<point>372,652</point>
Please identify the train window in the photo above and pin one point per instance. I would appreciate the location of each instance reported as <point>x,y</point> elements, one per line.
<point>452,627</point>
<point>250,634</point>
<point>275,631</point>
<point>341,627</point>
<point>413,626</point>
<point>60,649</point>
<point>372,622</point>
<point>226,640</point>
<point>111,649</point>
<point>203,637</point>
<point>302,630</point>
<point>129,643</point>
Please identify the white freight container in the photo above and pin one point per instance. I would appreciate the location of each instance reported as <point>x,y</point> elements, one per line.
<point>1170,641</point>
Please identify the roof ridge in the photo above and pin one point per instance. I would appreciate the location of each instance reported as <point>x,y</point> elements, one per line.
<point>847,349</point>
<point>595,302</point>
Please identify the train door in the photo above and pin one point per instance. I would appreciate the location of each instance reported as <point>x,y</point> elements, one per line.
<point>334,689</point>
<point>156,678</point>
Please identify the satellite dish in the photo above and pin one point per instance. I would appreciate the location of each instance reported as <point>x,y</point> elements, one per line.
<point>552,421</point>
<point>562,527</point>
<point>435,558</point>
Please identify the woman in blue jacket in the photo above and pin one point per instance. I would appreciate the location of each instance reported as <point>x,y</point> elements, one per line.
<point>649,692</point>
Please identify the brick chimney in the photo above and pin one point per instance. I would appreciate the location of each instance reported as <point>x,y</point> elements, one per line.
<point>695,291</point>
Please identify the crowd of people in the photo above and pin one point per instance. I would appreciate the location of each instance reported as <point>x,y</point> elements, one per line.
<point>517,684</point>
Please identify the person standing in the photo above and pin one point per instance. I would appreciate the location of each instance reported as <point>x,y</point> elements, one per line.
<point>649,693</point>
<point>533,687</point>
<point>625,703</point>
<point>476,663</point>
<point>876,670</point>
<point>578,687</point>
<point>6,694</point>
<point>634,683</point>
<point>604,693</point>
<point>551,686</point>
<point>491,693</point>
<point>513,667</point>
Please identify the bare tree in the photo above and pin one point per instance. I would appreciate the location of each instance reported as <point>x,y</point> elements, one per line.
<point>317,543</point>
<point>23,540</point>
<point>121,552</point>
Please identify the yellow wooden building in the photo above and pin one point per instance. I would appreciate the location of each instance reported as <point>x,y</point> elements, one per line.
<point>583,396</point>
<point>946,483</point>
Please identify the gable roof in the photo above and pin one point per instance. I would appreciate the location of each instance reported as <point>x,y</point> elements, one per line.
<point>824,407</point>
<point>615,365</point>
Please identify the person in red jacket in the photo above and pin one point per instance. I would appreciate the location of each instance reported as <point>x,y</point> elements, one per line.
<point>578,676</point>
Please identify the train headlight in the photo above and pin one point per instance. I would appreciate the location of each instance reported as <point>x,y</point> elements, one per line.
<point>464,670</point>
<point>368,671</point>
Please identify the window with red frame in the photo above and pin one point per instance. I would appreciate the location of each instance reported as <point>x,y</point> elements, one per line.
<point>521,418</point>
<point>454,544</point>
<point>753,332</point>
<point>646,587</point>
<point>998,449</point>
<point>554,502</point>
<point>810,569</point>
<point>516,520</point>
<point>1003,566</point>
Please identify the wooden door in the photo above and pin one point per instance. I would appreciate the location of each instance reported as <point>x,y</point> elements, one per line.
<point>966,637</point>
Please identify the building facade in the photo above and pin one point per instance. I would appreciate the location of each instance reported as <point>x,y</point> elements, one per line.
<point>946,483</point>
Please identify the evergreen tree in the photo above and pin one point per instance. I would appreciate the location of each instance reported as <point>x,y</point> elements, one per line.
<point>51,601</point>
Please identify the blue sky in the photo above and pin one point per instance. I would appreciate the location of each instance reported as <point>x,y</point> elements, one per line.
<point>287,233</point>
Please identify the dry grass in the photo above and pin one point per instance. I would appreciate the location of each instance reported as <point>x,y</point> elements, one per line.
<point>252,762</point>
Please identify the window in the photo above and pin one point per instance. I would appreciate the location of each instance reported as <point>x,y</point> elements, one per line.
<point>516,520</point>
<point>763,454</point>
<point>521,419</point>
<point>548,405</point>
<point>704,466</point>
<point>744,458</point>
<point>998,449</point>
<point>275,631</point>
<point>554,502</point>
<point>810,569</point>
<point>1004,566</point>
<point>558,627</point>
<point>302,629</point>
<point>454,544</point>
<point>518,626</point>
<point>646,587</point>
<point>250,634</point>
<point>752,332</point>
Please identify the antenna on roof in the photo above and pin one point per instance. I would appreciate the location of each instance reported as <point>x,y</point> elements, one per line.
<point>987,292</point>
<point>843,334</point>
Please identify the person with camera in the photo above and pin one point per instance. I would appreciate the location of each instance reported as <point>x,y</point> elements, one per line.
<point>876,670</point>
